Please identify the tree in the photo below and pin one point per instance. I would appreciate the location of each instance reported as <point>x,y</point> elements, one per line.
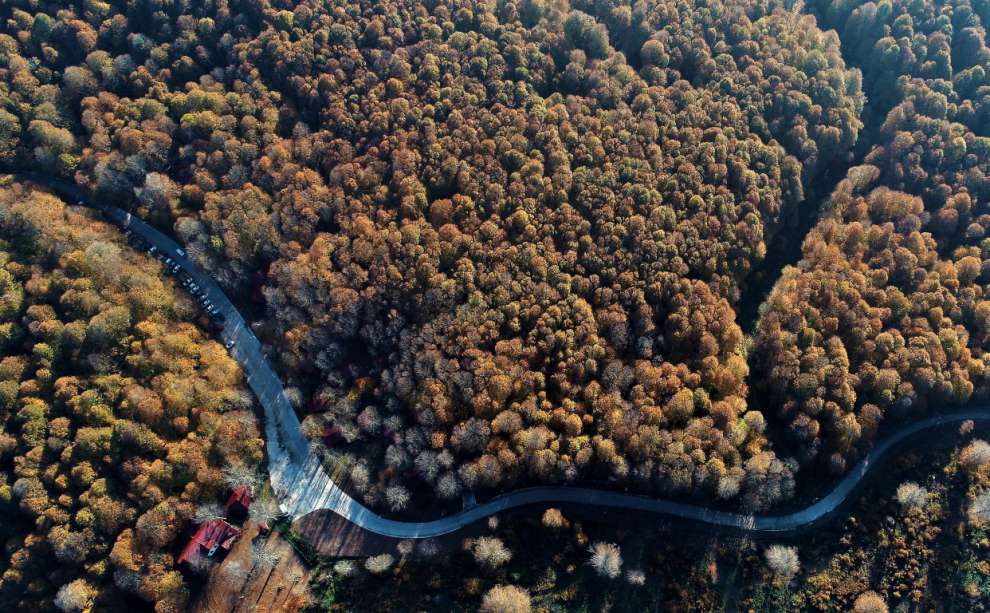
<point>554,519</point>
<point>506,599</point>
<point>490,552</point>
<point>975,455</point>
<point>240,475</point>
<point>262,557</point>
<point>112,368</point>
<point>343,568</point>
<point>75,596</point>
<point>234,571</point>
<point>264,509</point>
<point>606,559</point>
<point>428,548</point>
<point>635,577</point>
<point>979,509</point>
<point>208,511</point>
<point>783,562</point>
<point>869,602</point>
<point>379,564</point>
<point>911,496</point>
<point>397,497</point>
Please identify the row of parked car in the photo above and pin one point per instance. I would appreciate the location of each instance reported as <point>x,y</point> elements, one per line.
<point>173,267</point>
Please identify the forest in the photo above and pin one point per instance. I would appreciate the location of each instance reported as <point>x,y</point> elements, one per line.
<point>490,244</point>
<point>119,415</point>
<point>514,260</point>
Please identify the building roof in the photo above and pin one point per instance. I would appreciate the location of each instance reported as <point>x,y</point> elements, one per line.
<point>240,498</point>
<point>210,536</point>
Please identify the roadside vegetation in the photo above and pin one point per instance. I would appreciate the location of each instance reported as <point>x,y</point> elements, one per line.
<point>915,541</point>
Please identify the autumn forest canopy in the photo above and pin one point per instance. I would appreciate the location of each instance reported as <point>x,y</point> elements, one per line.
<point>491,243</point>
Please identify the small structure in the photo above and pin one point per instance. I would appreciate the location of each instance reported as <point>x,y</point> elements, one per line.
<point>240,499</point>
<point>211,535</point>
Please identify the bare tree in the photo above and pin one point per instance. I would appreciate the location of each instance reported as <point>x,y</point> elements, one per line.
<point>369,421</point>
<point>428,548</point>
<point>428,465</point>
<point>635,577</point>
<point>606,559</point>
<point>397,497</point>
<point>343,568</point>
<point>74,596</point>
<point>975,455</point>
<point>783,562</point>
<point>490,552</point>
<point>208,511</point>
<point>127,580</point>
<point>360,477</point>
<point>202,565</point>
<point>911,496</point>
<point>448,486</point>
<point>979,509</point>
<point>506,599</point>
<point>379,564</point>
<point>237,475</point>
<point>234,571</point>
<point>313,425</point>
<point>869,602</point>
<point>264,510</point>
<point>554,519</point>
<point>405,547</point>
<point>262,557</point>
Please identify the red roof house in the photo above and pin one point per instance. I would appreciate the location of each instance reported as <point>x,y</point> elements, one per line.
<point>210,536</point>
<point>240,499</point>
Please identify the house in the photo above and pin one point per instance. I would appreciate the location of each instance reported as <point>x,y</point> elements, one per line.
<point>240,499</point>
<point>210,536</point>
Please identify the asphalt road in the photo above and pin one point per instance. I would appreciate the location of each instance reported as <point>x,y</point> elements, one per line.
<point>303,485</point>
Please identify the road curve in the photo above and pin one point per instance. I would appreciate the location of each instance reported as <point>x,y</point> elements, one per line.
<point>303,485</point>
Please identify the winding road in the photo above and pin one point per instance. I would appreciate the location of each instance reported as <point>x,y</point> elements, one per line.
<point>303,485</point>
